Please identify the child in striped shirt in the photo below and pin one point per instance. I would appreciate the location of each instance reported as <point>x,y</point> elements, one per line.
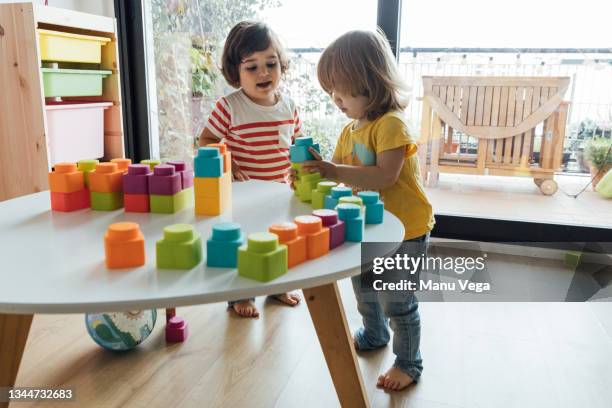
<point>256,122</point>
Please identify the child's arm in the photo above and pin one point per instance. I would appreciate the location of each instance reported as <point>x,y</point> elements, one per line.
<point>380,176</point>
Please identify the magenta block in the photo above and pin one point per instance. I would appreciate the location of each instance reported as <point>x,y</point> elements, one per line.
<point>136,180</point>
<point>164,180</point>
<point>187,178</point>
<point>329,218</point>
<point>176,330</point>
<point>186,173</point>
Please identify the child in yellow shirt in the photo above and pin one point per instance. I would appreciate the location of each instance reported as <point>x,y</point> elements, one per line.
<point>376,152</point>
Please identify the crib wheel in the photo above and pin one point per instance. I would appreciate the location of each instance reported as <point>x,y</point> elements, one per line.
<point>548,187</point>
<point>538,182</point>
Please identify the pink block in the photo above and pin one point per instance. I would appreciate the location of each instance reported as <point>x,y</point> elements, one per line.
<point>186,173</point>
<point>176,330</point>
<point>329,218</point>
<point>136,180</point>
<point>164,181</point>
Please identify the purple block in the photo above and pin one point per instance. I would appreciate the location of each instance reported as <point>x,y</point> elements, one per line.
<point>187,178</point>
<point>178,165</point>
<point>176,330</point>
<point>136,180</point>
<point>329,219</point>
<point>164,180</point>
<point>186,173</point>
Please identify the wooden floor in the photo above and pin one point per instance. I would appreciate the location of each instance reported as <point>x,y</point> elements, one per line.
<point>475,355</point>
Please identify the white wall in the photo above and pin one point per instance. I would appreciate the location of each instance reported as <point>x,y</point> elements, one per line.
<point>100,7</point>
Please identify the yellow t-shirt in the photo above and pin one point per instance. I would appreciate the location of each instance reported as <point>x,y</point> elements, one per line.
<point>405,199</point>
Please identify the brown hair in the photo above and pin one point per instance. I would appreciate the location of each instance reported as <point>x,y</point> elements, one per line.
<point>360,63</point>
<point>244,39</point>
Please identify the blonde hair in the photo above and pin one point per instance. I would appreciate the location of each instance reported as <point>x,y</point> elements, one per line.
<point>360,63</point>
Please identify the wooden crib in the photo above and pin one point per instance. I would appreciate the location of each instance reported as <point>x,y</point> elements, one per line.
<point>487,125</point>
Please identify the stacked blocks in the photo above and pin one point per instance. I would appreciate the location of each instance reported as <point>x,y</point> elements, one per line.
<point>136,188</point>
<point>317,198</point>
<point>87,166</point>
<point>317,236</point>
<point>124,246</point>
<point>176,330</point>
<point>151,163</point>
<point>165,189</point>
<point>287,233</point>
<point>185,172</point>
<point>68,191</point>
<point>353,221</point>
<point>374,208</point>
<point>222,246</point>
<point>180,248</point>
<point>227,157</point>
<point>331,200</point>
<point>262,258</point>
<point>213,185</point>
<point>122,164</point>
<point>337,230</point>
<point>299,151</point>
<point>105,185</point>
<point>307,183</point>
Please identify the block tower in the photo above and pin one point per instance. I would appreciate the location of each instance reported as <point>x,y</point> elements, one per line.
<point>106,187</point>
<point>304,182</point>
<point>212,182</point>
<point>186,174</point>
<point>68,191</point>
<point>136,188</point>
<point>165,190</point>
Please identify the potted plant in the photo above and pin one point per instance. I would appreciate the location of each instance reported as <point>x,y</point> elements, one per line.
<point>598,153</point>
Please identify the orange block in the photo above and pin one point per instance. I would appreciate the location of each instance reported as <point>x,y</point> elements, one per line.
<point>122,164</point>
<point>296,244</point>
<point>66,178</point>
<point>317,236</point>
<point>124,246</point>
<point>227,157</point>
<point>106,179</point>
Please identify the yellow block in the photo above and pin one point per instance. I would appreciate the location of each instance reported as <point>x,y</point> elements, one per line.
<point>213,195</point>
<point>68,47</point>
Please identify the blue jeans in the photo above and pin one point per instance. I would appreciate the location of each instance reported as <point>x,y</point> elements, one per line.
<point>401,309</point>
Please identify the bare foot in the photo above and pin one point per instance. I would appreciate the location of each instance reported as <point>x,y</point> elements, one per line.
<point>246,309</point>
<point>291,298</point>
<point>394,380</point>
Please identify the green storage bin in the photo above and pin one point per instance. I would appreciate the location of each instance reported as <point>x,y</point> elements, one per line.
<point>73,82</point>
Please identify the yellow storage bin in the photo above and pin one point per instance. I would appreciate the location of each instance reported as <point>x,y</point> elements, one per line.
<point>68,47</point>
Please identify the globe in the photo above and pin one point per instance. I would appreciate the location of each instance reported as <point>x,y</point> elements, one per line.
<point>120,331</point>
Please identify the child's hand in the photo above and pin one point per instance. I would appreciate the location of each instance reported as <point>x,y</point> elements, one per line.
<point>327,169</point>
<point>237,173</point>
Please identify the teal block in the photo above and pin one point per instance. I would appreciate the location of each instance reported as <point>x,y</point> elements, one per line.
<point>353,221</point>
<point>299,153</point>
<point>262,267</point>
<point>222,246</point>
<point>180,248</point>
<point>374,213</point>
<point>329,202</point>
<point>208,162</point>
<point>106,201</point>
<point>341,191</point>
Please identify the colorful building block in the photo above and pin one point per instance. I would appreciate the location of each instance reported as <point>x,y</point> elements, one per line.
<point>151,163</point>
<point>70,201</point>
<point>307,183</point>
<point>106,201</point>
<point>222,246</point>
<point>299,152</point>
<point>337,230</point>
<point>331,200</point>
<point>136,202</point>
<point>86,167</point>
<point>227,156</point>
<point>317,236</point>
<point>351,200</point>
<point>287,233</point>
<point>66,178</point>
<point>106,179</point>
<point>262,258</point>
<point>213,195</point>
<point>177,330</point>
<point>124,246</point>
<point>298,176</point>
<point>353,221</point>
<point>317,198</point>
<point>186,173</point>
<point>169,204</point>
<point>122,164</point>
<point>164,180</point>
<point>208,162</point>
<point>136,180</point>
<point>180,248</point>
<point>374,208</point>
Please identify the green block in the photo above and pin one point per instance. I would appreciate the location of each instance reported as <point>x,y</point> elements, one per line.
<point>262,259</point>
<point>169,204</point>
<point>317,197</point>
<point>106,201</point>
<point>151,162</point>
<point>87,166</point>
<point>180,248</point>
<point>572,259</point>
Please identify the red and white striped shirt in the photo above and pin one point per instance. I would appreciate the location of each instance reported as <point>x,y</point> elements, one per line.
<point>258,136</point>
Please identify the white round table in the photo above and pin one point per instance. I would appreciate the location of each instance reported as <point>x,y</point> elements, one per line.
<point>53,262</point>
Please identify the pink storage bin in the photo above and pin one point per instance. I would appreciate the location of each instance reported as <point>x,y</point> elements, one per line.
<point>75,130</point>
